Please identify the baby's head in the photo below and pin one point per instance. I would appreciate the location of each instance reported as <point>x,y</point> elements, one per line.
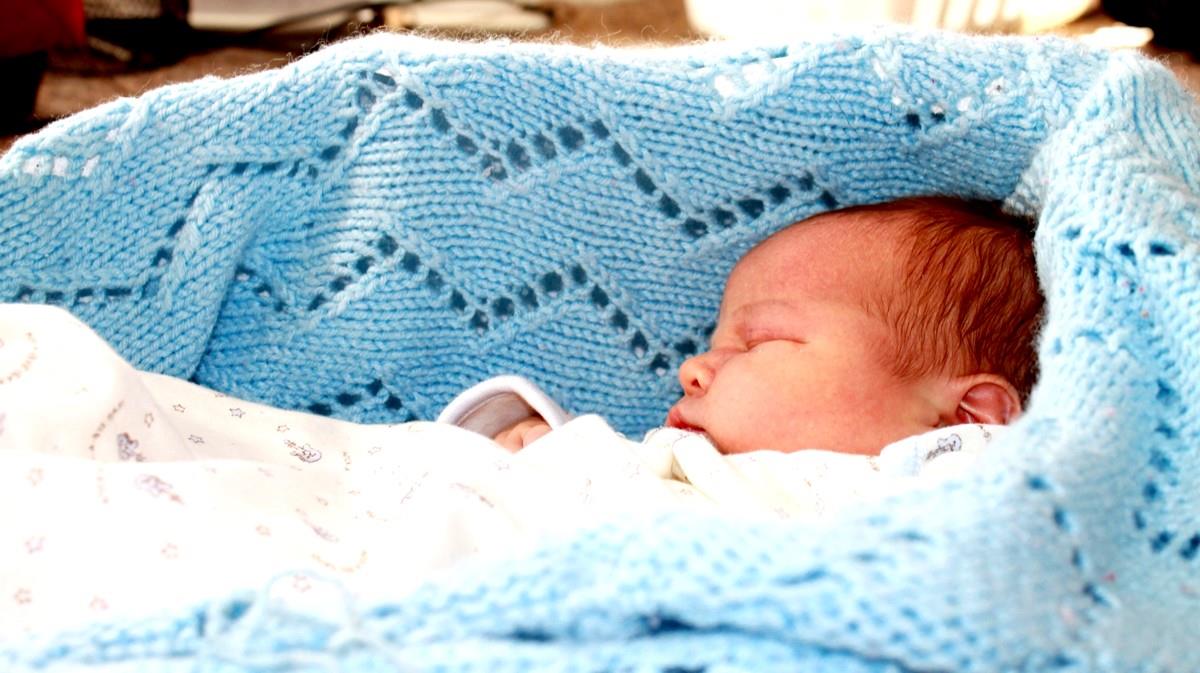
<point>856,328</point>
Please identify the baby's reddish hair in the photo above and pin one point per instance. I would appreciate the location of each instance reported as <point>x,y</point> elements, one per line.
<point>969,300</point>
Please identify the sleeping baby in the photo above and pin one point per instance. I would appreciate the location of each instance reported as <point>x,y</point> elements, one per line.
<point>903,331</point>
<point>852,330</point>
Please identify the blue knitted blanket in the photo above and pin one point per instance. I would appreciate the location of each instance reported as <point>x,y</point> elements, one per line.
<point>371,229</point>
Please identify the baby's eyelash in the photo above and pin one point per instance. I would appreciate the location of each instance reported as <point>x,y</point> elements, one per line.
<point>758,341</point>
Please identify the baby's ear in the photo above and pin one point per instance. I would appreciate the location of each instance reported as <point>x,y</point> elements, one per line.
<point>986,398</point>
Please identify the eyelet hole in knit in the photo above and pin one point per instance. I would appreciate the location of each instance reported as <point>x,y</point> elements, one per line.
<point>599,297</point>
<point>619,320</point>
<point>527,296</point>
<point>694,228</point>
<point>552,284</point>
<point>1150,492</point>
<point>1160,541</point>
<point>752,207</point>
<point>439,120</point>
<point>1063,520</point>
<point>479,322</point>
<point>493,168</point>
<point>544,146</point>
<point>1166,394</point>
<point>518,156</point>
<point>466,144</point>
<point>686,348</point>
<point>1191,548</point>
<point>621,155</point>
<point>1166,431</point>
<point>643,181</point>
<point>778,194</point>
<point>503,307</point>
<point>638,344</point>
<point>668,207</point>
<point>723,218</point>
<point>387,245</point>
<point>410,262</point>
<point>570,137</point>
<point>433,280</point>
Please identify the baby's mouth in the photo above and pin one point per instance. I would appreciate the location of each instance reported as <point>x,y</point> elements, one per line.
<point>676,420</point>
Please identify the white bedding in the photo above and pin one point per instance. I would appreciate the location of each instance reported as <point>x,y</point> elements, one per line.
<point>125,492</point>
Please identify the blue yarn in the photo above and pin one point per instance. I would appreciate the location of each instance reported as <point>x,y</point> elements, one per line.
<point>367,231</point>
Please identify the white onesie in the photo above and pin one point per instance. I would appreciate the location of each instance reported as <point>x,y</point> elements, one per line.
<point>808,483</point>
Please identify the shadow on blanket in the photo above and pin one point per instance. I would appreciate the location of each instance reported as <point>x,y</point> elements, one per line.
<point>369,230</point>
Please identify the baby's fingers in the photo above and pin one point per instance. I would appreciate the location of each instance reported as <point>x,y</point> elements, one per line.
<point>534,432</point>
<point>522,434</point>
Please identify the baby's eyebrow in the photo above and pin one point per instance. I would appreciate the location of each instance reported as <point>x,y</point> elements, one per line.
<point>769,307</point>
<point>766,316</point>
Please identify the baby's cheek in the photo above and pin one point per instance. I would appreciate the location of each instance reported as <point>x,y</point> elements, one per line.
<point>788,412</point>
<point>746,420</point>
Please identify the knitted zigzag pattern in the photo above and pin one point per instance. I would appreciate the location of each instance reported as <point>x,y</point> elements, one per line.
<point>370,229</point>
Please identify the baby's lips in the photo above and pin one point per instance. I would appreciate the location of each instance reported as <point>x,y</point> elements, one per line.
<point>676,420</point>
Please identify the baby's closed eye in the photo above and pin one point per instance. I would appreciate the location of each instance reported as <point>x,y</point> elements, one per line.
<point>767,332</point>
<point>754,342</point>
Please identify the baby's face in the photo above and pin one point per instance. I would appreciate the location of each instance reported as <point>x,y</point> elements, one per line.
<point>796,362</point>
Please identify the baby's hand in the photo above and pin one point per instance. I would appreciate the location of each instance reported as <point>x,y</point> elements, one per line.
<point>522,434</point>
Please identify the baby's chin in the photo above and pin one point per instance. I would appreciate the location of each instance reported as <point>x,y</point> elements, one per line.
<point>722,447</point>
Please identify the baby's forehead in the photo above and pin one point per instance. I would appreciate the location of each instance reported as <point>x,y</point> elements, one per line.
<point>829,255</point>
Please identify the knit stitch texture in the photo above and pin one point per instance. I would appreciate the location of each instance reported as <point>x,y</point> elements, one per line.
<point>371,229</point>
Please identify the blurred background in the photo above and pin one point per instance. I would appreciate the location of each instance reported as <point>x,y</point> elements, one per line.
<point>58,57</point>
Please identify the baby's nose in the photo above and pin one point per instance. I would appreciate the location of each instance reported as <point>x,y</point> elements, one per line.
<point>695,374</point>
